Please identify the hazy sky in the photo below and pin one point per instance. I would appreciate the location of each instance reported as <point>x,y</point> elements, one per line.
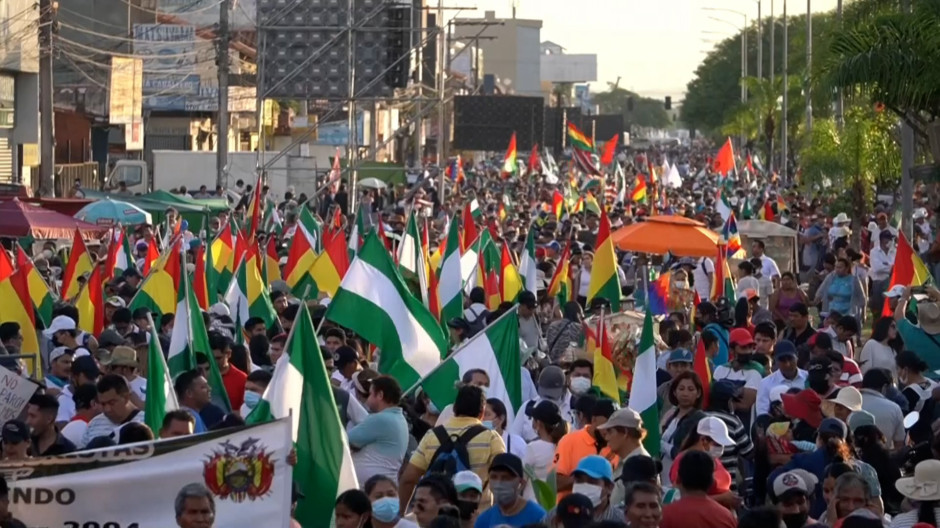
<point>655,46</point>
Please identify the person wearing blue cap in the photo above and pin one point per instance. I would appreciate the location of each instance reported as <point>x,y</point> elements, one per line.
<point>594,479</point>
<point>786,373</point>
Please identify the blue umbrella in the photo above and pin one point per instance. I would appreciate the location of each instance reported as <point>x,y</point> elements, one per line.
<point>108,212</point>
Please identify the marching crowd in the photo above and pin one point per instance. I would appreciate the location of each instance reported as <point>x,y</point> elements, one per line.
<point>818,407</point>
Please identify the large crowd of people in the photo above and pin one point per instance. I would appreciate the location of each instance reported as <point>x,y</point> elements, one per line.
<point>818,408</point>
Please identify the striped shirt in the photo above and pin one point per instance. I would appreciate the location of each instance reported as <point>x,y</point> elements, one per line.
<point>102,426</point>
<point>743,446</point>
<point>482,448</point>
<point>909,519</point>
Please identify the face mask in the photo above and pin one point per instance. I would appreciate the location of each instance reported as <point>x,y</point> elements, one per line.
<point>467,509</point>
<point>682,285</point>
<point>716,451</point>
<point>484,389</point>
<point>251,399</point>
<point>505,493</point>
<point>580,385</point>
<point>591,491</point>
<point>433,408</point>
<point>795,520</point>
<point>488,424</point>
<point>385,509</point>
<point>47,253</point>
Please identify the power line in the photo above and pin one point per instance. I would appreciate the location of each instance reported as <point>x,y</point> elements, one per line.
<point>185,10</point>
<point>130,55</point>
<point>127,39</point>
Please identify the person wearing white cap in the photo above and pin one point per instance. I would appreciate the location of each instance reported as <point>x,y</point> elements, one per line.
<point>469,493</point>
<point>840,227</point>
<point>711,436</point>
<point>792,492</point>
<point>64,332</point>
<point>922,233</point>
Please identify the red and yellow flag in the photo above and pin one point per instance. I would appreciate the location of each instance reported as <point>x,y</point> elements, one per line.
<point>509,162</point>
<point>605,281</point>
<point>17,307</point>
<point>509,278</point>
<point>200,281</point>
<point>90,304</point>
<point>79,264</point>
<point>271,269</point>
<point>560,287</point>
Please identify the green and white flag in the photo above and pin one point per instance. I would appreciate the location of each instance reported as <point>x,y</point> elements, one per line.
<point>494,350</point>
<point>643,392</point>
<point>190,337</point>
<point>450,284</point>
<point>300,388</point>
<point>161,398</point>
<point>358,231</point>
<point>411,258</point>
<point>373,301</point>
<point>527,264</point>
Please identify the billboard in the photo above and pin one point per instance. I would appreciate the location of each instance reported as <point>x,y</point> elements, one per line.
<point>569,68</point>
<point>166,47</point>
<point>124,95</point>
<point>337,132</point>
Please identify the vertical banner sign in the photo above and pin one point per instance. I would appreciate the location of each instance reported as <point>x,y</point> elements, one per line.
<point>15,392</point>
<point>134,136</point>
<point>244,471</point>
<point>124,95</point>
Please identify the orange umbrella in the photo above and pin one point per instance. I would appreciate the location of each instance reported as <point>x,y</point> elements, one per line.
<point>674,234</point>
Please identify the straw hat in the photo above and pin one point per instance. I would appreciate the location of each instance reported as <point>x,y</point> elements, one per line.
<point>924,485</point>
<point>848,397</point>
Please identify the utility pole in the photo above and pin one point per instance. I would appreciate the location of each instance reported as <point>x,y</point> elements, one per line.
<point>773,26</point>
<point>840,102</point>
<point>46,108</point>
<point>221,144</point>
<point>784,143</point>
<point>808,84</point>
<point>441,86</point>
<point>351,145</point>
<point>760,43</point>
<point>907,163</point>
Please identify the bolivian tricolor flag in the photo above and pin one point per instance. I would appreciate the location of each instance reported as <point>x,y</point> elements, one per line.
<point>489,264</point>
<point>39,293</point>
<point>509,278</point>
<point>330,267</point>
<point>558,203</point>
<point>578,139</point>
<point>17,308</point>
<point>560,287</point>
<point>909,269</point>
<point>79,264</point>
<point>90,303</point>
<point>639,190</point>
<point>723,283</point>
<point>158,292</point>
<point>605,282</point>
<point>223,259</point>
<point>509,162</point>
<point>609,378</point>
<point>247,295</point>
<point>298,271</point>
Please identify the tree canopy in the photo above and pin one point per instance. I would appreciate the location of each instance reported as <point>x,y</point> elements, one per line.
<point>647,112</point>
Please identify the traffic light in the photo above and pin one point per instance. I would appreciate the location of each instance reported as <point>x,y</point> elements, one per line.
<point>630,103</point>
<point>668,103</point>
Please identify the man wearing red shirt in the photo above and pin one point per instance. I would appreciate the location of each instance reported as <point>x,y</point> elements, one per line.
<point>695,508</point>
<point>233,379</point>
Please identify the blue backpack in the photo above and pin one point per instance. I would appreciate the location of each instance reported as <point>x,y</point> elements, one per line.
<point>452,456</point>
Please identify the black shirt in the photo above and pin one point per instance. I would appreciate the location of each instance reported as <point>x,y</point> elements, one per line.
<point>61,446</point>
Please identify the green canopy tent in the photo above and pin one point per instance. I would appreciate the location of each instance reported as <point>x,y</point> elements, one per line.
<point>390,173</point>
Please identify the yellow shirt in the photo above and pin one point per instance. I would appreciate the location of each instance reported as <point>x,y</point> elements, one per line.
<point>481,448</point>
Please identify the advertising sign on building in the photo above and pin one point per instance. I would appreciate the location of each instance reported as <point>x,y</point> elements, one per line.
<point>125,91</point>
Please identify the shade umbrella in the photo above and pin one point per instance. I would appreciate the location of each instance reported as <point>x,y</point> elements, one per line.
<point>20,219</point>
<point>372,183</point>
<point>673,234</point>
<point>108,212</point>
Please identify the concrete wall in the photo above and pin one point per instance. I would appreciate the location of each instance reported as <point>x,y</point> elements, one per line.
<point>511,50</point>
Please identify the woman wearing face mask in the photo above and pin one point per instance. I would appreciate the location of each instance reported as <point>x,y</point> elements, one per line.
<point>427,413</point>
<point>353,510</point>
<point>255,385</point>
<point>685,394</point>
<point>643,505</point>
<point>594,478</point>
<point>494,417</point>
<point>918,390</point>
<point>540,453</point>
<point>383,493</point>
<point>711,436</point>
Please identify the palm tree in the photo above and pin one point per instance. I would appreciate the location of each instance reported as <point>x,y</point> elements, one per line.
<point>892,57</point>
<point>758,120</point>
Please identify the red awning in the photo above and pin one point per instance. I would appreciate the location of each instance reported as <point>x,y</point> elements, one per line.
<point>19,219</point>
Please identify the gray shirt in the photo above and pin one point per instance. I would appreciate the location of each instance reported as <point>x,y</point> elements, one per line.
<point>529,331</point>
<point>888,416</point>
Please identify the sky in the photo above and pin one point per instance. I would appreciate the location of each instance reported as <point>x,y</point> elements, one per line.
<point>654,46</point>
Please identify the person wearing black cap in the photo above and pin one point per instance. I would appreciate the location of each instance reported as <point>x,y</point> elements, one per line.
<point>787,374</point>
<point>507,480</point>
<point>574,511</point>
<point>550,428</point>
<point>460,330</point>
<point>15,437</point>
<point>346,363</point>
<point>529,330</point>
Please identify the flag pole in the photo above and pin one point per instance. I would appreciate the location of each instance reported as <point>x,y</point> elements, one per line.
<point>459,349</point>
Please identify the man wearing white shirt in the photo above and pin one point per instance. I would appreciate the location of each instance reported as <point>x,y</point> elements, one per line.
<point>788,374</point>
<point>881,259</point>
<point>769,267</point>
<point>347,363</point>
<point>703,274</point>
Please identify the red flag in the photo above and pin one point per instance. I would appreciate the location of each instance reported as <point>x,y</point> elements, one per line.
<point>153,253</point>
<point>469,228</point>
<point>254,210</point>
<point>535,162</point>
<point>200,282</point>
<point>704,371</point>
<point>724,161</point>
<point>607,156</point>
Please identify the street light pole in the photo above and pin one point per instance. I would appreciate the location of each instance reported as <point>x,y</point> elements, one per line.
<point>760,43</point>
<point>907,163</point>
<point>840,109</point>
<point>807,89</point>
<point>783,142</point>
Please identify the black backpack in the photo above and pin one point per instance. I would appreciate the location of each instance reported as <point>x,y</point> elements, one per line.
<point>452,456</point>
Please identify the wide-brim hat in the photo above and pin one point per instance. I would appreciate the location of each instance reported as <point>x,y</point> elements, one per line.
<point>924,485</point>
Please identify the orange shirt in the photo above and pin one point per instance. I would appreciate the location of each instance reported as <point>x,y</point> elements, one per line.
<point>573,447</point>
